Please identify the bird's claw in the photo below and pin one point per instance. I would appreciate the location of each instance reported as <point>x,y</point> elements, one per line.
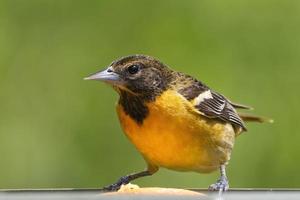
<point>116,186</point>
<point>112,187</point>
<point>221,185</point>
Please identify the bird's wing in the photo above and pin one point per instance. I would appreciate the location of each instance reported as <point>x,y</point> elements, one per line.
<point>210,103</point>
<point>240,106</point>
<point>215,105</point>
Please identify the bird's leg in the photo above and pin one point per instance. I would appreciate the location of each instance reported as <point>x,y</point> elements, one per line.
<point>222,183</point>
<point>126,179</point>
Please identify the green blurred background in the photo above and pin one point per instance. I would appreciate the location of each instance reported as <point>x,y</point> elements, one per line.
<point>57,130</point>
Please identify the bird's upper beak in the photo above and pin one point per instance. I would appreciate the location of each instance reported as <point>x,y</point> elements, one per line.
<point>108,76</point>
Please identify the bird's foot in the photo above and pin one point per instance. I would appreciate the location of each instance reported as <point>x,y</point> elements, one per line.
<point>116,186</point>
<point>221,185</point>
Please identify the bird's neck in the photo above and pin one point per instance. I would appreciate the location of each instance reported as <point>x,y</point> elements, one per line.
<point>134,102</point>
<point>134,106</point>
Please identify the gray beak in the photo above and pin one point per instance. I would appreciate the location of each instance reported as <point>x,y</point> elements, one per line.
<point>106,76</point>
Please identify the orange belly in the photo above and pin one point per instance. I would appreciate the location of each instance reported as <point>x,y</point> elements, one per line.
<point>174,137</point>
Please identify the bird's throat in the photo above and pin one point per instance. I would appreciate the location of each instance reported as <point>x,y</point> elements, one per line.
<point>134,106</point>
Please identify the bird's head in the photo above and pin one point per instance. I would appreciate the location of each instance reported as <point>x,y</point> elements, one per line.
<point>137,74</point>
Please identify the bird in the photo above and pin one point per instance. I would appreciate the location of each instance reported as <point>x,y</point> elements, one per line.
<point>174,120</point>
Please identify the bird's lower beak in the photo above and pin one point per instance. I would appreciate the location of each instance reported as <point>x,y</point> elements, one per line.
<point>107,75</point>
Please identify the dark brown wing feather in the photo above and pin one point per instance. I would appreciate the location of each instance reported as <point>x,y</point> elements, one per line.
<point>216,107</point>
<point>219,107</point>
<point>240,106</point>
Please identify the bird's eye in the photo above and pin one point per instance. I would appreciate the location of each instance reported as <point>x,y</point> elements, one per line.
<point>133,69</point>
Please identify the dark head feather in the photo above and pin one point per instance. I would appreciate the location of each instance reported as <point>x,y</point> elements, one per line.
<point>150,78</point>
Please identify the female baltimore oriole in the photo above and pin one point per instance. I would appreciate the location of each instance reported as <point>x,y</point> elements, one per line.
<point>174,120</point>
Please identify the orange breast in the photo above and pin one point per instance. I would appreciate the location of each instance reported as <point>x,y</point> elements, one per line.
<point>175,137</point>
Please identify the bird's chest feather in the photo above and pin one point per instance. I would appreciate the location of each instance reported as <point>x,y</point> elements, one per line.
<point>173,136</point>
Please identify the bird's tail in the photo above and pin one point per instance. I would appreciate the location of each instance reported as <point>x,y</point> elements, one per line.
<point>253,118</point>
